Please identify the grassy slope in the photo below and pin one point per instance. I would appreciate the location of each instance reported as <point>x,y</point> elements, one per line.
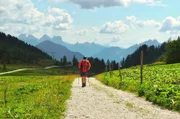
<point>161,83</point>
<point>34,96</point>
<point>36,93</point>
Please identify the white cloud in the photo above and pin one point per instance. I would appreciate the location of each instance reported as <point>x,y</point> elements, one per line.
<point>145,23</point>
<point>143,1</point>
<point>23,15</point>
<point>61,15</point>
<point>62,27</point>
<point>3,28</point>
<point>49,20</point>
<point>134,22</point>
<point>131,18</point>
<point>82,32</point>
<point>19,11</point>
<point>116,39</point>
<point>150,2</point>
<point>2,10</point>
<point>91,4</point>
<point>59,19</point>
<point>170,24</point>
<point>95,29</point>
<point>115,27</point>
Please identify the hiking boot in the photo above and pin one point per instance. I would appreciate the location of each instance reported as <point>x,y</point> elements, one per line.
<point>83,84</point>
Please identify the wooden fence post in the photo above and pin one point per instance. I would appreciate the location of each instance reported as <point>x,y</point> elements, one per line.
<point>141,59</point>
<point>110,70</point>
<point>120,75</point>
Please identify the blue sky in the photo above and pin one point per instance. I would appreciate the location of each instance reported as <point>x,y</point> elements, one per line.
<point>114,22</point>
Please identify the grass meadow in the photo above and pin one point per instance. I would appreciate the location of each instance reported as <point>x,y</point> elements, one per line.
<point>161,83</point>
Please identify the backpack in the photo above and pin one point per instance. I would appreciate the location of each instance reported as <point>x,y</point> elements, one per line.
<point>84,66</point>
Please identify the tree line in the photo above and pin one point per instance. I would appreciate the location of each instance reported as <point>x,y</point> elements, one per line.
<point>167,52</point>
<point>97,65</point>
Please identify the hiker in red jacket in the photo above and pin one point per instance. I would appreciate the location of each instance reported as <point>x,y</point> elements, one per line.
<point>85,66</point>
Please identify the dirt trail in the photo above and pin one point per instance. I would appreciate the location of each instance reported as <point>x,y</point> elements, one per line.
<point>102,102</point>
<point>17,70</point>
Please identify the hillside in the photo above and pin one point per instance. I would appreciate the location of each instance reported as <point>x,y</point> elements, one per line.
<point>150,55</point>
<point>13,50</point>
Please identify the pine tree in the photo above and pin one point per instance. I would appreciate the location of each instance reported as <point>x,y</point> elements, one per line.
<point>75,61</point>
<point>65,60</point>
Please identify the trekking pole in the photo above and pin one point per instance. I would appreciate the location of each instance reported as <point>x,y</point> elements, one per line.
<point>88,80</point>
<point>78,78</point>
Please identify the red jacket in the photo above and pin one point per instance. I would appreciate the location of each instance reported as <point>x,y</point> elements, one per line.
<point>85,65</point>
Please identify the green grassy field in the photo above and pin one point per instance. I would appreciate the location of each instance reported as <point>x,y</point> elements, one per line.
<point>40,71</point>
<point>11,67</point>
<point>34,97</point>
<point>161,83</point>
<point>39,93</point>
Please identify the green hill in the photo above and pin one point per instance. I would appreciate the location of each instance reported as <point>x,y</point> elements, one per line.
<point>15,51</point>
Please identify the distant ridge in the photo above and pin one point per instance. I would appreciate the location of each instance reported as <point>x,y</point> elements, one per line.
<point>87,49</point>
<point>117,53</point>
<point>91,49</point>
<point>58,51</point>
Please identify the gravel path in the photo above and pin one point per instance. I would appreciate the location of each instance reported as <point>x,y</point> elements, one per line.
<point>98,101</point>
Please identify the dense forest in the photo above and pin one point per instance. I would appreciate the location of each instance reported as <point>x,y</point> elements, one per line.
<point>13,50</point>
<point>167,52</point>
<point>173,51</point>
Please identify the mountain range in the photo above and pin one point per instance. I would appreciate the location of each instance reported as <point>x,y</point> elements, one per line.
<point>58,51</point>
<point>84,49</point>
<point>117,53</point>
<point>30,39</point>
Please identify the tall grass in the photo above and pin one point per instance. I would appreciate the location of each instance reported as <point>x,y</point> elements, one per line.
<point>33,97</point>
<point>161,83</point>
